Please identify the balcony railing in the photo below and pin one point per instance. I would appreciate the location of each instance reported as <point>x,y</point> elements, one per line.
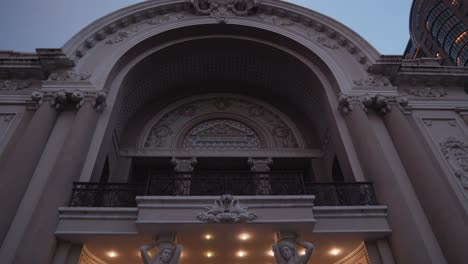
<point>87,194</point>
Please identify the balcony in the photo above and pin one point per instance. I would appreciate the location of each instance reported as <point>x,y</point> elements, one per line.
<point>88,194</point>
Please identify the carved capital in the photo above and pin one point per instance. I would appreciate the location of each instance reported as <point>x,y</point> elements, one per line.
<point>65,99</point>
<point>100,101</point>
<point>222,10</point>
<point>260,164</point>
<point>378,103</point>
<point>183,164</point>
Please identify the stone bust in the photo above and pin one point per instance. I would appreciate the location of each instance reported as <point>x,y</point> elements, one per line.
<point>286,253</point>
<point>167,253</point>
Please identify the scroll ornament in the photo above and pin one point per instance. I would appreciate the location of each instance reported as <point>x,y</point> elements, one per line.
<point>226,210</point>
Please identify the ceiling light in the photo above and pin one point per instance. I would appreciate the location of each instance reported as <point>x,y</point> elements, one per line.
<point>209,254</point>
<point>302,252</point>
<point>112,254</point>
<point>208,236</point>
<point>244,236</point>
<point>335,252</point>
<point>270,253</point>
<point>241,253</point>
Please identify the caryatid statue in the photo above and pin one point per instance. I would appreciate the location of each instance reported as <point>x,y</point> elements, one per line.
<point>286,253</point>
<point>168,252</point>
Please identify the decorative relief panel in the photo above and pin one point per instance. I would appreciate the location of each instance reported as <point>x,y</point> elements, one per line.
<point>219,133</point>
<point>14,85</point>
<point>450,139</point>
<point>226,209</point>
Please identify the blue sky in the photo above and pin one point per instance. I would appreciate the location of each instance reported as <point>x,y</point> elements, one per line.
<point>29,24</point>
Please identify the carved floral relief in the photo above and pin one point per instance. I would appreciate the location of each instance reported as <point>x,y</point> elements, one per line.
<point>455,153</point>
<point>427,92</point>
<point>14,85</point>
<point>226,209</point>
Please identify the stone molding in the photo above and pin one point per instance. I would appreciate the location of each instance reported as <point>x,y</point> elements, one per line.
<point>271,12</point>
<point>226,209</point>
<point>379,103</point>
<point>427,92</point>
<point>14,85</point>
<point>67,99</point>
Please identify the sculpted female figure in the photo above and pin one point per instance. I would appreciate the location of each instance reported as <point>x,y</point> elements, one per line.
<point>285,252</point>
<point>167,253</point>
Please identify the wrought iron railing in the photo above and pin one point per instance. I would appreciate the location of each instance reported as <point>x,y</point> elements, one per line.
<point>88,194</point>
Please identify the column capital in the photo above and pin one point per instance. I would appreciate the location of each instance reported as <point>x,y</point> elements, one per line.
<point>184,164</point>
<point>68,99</point>
<point>381,104</point>
<point>260,164</point>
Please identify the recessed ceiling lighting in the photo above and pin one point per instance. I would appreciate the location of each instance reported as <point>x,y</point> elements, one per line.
<point>112,254</point>
<point>208,236</point>
<point>335,252</point>
<point>209,254</point>
<point>241,253</point>
<point>270,253</point>
<point>244,236</point>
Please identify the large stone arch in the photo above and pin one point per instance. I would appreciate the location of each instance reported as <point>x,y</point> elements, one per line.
<point>109,48</point>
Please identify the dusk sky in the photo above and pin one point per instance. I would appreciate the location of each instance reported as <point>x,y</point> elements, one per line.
<point>29,24</point>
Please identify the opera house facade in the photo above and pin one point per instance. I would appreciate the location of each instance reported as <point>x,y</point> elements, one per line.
<point>230,131</point>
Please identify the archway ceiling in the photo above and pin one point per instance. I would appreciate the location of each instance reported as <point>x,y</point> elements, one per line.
<point>224,65</point>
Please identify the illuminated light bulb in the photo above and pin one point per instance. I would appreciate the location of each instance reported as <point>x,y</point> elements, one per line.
<point>335,251</point>
<point>209,254</point>
<point>208,236</point>
<point>244,236</point>
<point>112,254</point>
<point>302,252</point>
<point>270,253</point>
<point>241,253</point>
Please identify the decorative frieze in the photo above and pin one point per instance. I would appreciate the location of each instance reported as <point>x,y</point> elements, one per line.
<point>427,92</point>
<point>373,81</point>
<point>226,209</point>
<point>222,10</point>
<point>280,21</point>
<point>14,85</point>
<point>69,75</point>
<point>455,153</point>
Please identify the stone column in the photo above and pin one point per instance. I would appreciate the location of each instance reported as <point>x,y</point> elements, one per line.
<point>38,241</point>
<point>18,167</point>
<point>261,168</point>
<point>435,195</point>
<point>183,168</point>
<point>412,238</point>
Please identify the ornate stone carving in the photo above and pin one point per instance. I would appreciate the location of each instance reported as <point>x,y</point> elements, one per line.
<point>280,21</point>
<point>14,85</point>
<point>221,134</point>
<point>168,251</point>
<point>160,134</point>
<point>226,210</point>
<point>69,75</point>
<point>100,101</point>
<point>321,39</point>
<point>122,35</point>
<point>373,81</point>
<point>183,164</point>
<point>455,152</point>
<point>285,251</point>
<point>62,99</point>
<point>427,92</point>
<point>222,10</point>
<point>379,103</point>
<point>165,18</point>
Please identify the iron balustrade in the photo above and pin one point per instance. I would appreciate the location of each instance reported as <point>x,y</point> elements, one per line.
<point>88,194</point>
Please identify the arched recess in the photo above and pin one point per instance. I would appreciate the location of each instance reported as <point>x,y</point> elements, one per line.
<point>331,60</point>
